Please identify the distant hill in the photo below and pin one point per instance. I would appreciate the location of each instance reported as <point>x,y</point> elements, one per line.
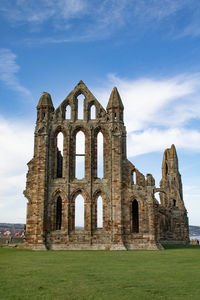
<point>10,229</point>
<point>11,225</point>
<point>194,230</point>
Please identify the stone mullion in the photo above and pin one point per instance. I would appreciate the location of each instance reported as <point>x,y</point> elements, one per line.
<point>88,176</point>
<point>68,215</point>
<point>88,157</point>
<point>71,216</point>
<point>94,157</point>
<point>92,175</point>
<point>67,154</point>
<point>87,215</point>
<point>69,177</point>
<point>105,212</point>
<point>64,215</point>
<point>72,156</point>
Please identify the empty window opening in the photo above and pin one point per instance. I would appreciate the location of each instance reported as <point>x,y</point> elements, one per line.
<point>99,212</point>
<point>115,116</point>
<point>134,177</point>
<point>80,155</point>
<point>92,112</point>
<point>59,213</point>
<point>79,213</point>
<point>174,202</point>
<point>68,112</point>
<point>81,99</point>
<point>135,217</point>
<point>60,155</point>
<point>100,161</point>
<point>158,196</point>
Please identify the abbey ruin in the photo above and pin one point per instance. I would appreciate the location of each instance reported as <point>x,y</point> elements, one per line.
<point>120,210</point>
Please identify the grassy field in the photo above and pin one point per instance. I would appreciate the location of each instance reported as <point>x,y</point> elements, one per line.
<point>170,274</point>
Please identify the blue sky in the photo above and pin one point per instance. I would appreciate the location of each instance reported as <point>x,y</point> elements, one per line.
<point>149,49</point>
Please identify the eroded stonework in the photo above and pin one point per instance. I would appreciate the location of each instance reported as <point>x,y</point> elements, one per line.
<point>132,217</point>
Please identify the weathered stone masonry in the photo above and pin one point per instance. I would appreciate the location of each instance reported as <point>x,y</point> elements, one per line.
<point>132,217</point>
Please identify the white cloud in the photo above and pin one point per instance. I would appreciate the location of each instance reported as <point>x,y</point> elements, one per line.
<point>16,149</point>
<point>41,11</point>
<point>156,112</point>
<point>8,71</point>
<point>152,140</point>
<point>168,102</point>
<point>82,20</point>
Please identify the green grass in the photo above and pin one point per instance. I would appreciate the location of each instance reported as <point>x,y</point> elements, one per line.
<point>170,274</point>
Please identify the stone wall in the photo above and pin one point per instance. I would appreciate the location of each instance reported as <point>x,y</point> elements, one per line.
<point>132,217</point>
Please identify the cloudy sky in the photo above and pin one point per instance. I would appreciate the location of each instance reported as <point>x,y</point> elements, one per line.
<point>149,49</point>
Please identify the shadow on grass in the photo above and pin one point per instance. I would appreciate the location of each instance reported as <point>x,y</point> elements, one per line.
<point>180,246</point>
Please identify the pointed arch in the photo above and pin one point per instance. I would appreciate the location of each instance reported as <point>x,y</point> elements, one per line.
<point>135,217</point>
<point>80,155</point>
<point>92,112</point>
<point>60,143</point>
<point>58,153</point>
<point>99,148</point>
<point>79,212</point>
<point>58,213</point>
<point>99,212</point>
<point>100,155</point>
<point>80,105</point>
<point>68,112</point>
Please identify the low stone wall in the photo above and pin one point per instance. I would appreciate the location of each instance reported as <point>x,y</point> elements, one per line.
<point>5,240</point>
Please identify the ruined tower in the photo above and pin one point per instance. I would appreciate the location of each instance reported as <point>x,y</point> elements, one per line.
<point>132,218</point>
<point>173,219</point>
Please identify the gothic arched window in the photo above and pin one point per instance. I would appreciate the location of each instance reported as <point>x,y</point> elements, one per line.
<point>60,140</point>
<point>100,158</point>
<point>68,112</point>
<point>58,213</point>
<point>80,100</point>
<point>79,213</point>
<point>99,212</point>
<point>92,112</point>
<point>80,155</point>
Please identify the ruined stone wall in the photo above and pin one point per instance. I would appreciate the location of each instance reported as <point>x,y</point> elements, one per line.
<point>132,217</point>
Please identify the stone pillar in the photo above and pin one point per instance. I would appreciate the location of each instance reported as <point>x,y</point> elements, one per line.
<point>116,194</point>
<point>153,239</point>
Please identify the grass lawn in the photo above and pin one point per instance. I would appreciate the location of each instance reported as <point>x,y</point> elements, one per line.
<point>173,273</point>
